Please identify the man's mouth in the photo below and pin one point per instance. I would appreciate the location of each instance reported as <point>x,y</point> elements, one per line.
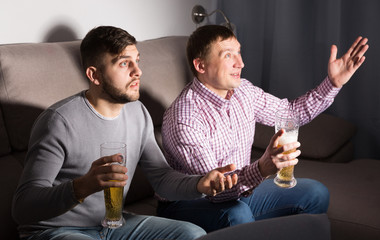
<point>134,84</point>
<point>235,75</point>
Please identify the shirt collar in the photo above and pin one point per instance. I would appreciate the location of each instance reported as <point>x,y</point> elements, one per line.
<point>207,94</point>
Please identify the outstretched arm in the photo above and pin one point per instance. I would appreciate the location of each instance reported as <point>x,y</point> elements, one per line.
<point>341,70</point>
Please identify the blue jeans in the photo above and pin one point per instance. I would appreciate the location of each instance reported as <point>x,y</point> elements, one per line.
<point>135,227</point>
<point>267,201</point>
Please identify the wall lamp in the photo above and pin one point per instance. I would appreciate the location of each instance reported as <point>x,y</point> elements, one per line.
<point>198,14</point>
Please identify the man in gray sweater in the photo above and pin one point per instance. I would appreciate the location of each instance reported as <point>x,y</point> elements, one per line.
<point>60,192</point>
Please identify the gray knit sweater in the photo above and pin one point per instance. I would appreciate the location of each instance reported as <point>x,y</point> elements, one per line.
<point>65,140</point>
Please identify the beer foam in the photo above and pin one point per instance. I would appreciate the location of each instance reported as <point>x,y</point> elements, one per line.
<point>288,137</point>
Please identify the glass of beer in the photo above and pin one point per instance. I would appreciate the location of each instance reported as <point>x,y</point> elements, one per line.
<point>289,121</point>
<point>113,196</point>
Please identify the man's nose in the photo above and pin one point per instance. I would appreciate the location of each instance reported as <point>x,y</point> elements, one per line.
<point>239,62</point>
<point>136,71</point>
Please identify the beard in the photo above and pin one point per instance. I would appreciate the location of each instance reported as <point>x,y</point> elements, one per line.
<point>119,96</point>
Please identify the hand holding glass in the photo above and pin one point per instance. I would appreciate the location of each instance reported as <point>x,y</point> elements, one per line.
<point>113,196</point>
<point>289,121</point>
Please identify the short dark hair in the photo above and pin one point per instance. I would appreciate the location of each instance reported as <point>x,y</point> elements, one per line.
<point>199,43</point>
<point>102,40</point>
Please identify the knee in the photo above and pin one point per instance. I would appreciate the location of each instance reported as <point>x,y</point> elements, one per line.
<point>319,197</point>
<point>190,231</point>
<point>238,214</point>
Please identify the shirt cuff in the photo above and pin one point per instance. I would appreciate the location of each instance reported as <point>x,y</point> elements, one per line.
<point>255,177</point>
<point>327,89</point>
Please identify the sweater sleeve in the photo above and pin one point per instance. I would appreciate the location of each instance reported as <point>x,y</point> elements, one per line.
<point>38,197</point>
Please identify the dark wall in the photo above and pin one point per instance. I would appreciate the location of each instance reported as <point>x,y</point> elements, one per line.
<point>286,47</point>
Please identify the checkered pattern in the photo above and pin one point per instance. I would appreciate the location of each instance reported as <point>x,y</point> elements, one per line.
<point>202,131</point>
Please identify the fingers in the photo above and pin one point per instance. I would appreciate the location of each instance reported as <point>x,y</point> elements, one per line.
<point>288,163</point>
<point>274,140</point>
<point>359,57</point>
<point>228,168</point>
<point>213,190</point>
<point>354,46</point>
<point>234,179</point>
<point>222,183</point>
<point>115,183</point>
<point>216,181</point>
<point>231,181</point>
<point>359,48</point>
<point>104,165</point>
<point>112,179</point>
<point>218,185</point>
<point>357,45</point>
<point>116,158</point>
<point>355,52</point>
<point>228,182</point>
<point>289,147</point>
<point>288,156</point>
<point>333,53</point>
<point>109,174</point>
<point>286,149</point>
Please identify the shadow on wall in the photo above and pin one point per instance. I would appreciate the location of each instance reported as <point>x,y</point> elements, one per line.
<point>60,33</point>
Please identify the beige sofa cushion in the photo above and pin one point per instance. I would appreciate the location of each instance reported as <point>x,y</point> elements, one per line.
<point>165,73</point>
<point>354,195</point>
<point>28,68</point>
<point>25,69</point>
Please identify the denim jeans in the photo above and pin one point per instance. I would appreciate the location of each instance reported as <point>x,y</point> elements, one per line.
<point>267,201</point>
<point>135,227</point>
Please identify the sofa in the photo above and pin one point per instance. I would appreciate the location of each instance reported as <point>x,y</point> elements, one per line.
<point>35,75</point>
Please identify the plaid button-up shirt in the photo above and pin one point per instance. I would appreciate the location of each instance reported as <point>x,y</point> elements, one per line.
<point>202,131</point>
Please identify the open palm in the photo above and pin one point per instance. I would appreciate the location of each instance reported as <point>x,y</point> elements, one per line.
<point>341,70</point>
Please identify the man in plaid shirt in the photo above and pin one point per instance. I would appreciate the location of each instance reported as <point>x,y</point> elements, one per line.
<point>212,124</point>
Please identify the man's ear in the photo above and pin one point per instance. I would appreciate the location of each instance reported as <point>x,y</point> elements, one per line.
<point>92,74</point>
<point>199,65</point>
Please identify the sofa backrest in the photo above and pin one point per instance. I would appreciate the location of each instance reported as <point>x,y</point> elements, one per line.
<point>32,77</point>
<point>165,73</point>
<point>35,75</point>
<point>327,138</point>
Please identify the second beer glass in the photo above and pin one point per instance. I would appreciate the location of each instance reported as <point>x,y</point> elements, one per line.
<point>289,121</point>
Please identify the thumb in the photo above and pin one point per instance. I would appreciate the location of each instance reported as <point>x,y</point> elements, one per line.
<point>274,140</point>
<point>227,168</point>
<point>333,53</point>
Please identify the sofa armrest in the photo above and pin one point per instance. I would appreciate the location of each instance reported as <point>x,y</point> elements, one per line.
<point>295,227</point>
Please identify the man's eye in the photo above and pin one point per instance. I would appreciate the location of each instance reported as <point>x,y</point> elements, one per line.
<point>123,64</point>
<point>228,55</point>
